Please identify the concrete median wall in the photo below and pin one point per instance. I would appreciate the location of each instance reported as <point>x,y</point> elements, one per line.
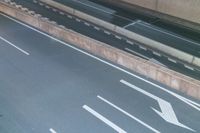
<point>184,9</point>
<point>183,56</point>
<point>173,79</point>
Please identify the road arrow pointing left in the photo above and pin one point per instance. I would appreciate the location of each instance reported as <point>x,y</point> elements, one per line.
<point>167,112</point>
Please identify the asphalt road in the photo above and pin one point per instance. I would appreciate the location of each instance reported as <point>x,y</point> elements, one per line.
<point>108,37</point>
<point>165,37</point>
<point>119,11</point>
<point>48,86</point>
<point>161,34</point>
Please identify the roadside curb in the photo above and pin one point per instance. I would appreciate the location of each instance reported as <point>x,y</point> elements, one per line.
<point>156,72</point>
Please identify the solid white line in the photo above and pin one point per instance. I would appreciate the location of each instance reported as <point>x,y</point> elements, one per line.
<point>14,46</point>
<point>103,10</point>
<point>183,99</point>
<point>103,119</point>
<point>170,34</point>
<point>129,115</point>
<point>147,58</point>
<point>52,130</point>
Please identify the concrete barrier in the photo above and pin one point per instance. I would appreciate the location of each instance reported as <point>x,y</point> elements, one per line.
<point>171,78</point>
<point>183,56</point>
<point>186,11</point>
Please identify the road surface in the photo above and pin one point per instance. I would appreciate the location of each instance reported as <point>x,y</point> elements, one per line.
<point>100,34</point>
<point>48,86</point>
<point>161,34</point>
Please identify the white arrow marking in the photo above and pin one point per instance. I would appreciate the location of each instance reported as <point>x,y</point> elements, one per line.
<point>185,100</point>
<point>167,112</point>
<point>52,130</point>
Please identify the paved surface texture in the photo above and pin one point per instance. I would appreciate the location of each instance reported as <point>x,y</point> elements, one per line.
<point>52,87</point>
<point>108,37</point>
<point>161,34</point>
<point>152,20</point>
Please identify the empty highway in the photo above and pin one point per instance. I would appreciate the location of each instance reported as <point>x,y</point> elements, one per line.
<point>147,26</point>
<point>103,35</point>
<point>49,86</point>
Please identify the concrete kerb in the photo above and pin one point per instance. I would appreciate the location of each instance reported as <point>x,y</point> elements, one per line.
<point>149,69</point>
<point>143,40</point>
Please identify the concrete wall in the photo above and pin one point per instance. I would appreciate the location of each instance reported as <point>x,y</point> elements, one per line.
<point>183,56</point>
<point>184,9</point>
<point>180,12</point>
<point>149,4</point>
<point>171,78</point>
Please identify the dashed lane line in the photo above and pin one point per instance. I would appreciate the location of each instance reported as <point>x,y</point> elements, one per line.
<point>191,103</point>
<point>103,119</point>
<point>52,130</point>
<point>128,114</point>
<point>136,53</point>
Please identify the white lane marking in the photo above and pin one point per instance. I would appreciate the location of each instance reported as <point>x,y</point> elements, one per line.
<point>35,1</point>
<point>78,20</point>
<point>87,24</point>
<point>156,53</point>
<point>191,103</point>
<point>172,60</point>
<point>107,32</point>
<point>23,51</point>
<point>47,7</point>
<point>52,130</point>
<point>41,4</point>
<point>55,10</point>
<point>103,119</point>
<point>157,62</point>
<point>103,10</point>
<point>118,37</point>
<point>131,24</point>
<point>69,16</point>
<point>61,13</point>
<point>169,34</point>
<point>128,114</point>
<point>96,28</point>
<point>129,42</point>
<point>188,67</point>
<point>142,47</point>
<point>167,112</point>
<point>147,58</point>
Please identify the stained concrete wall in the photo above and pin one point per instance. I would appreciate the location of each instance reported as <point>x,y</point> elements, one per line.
<point>181,55</point>
<point>150,4</point>
<point>184,9</point>
<point>182,12</point>
<point>171,78</point>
